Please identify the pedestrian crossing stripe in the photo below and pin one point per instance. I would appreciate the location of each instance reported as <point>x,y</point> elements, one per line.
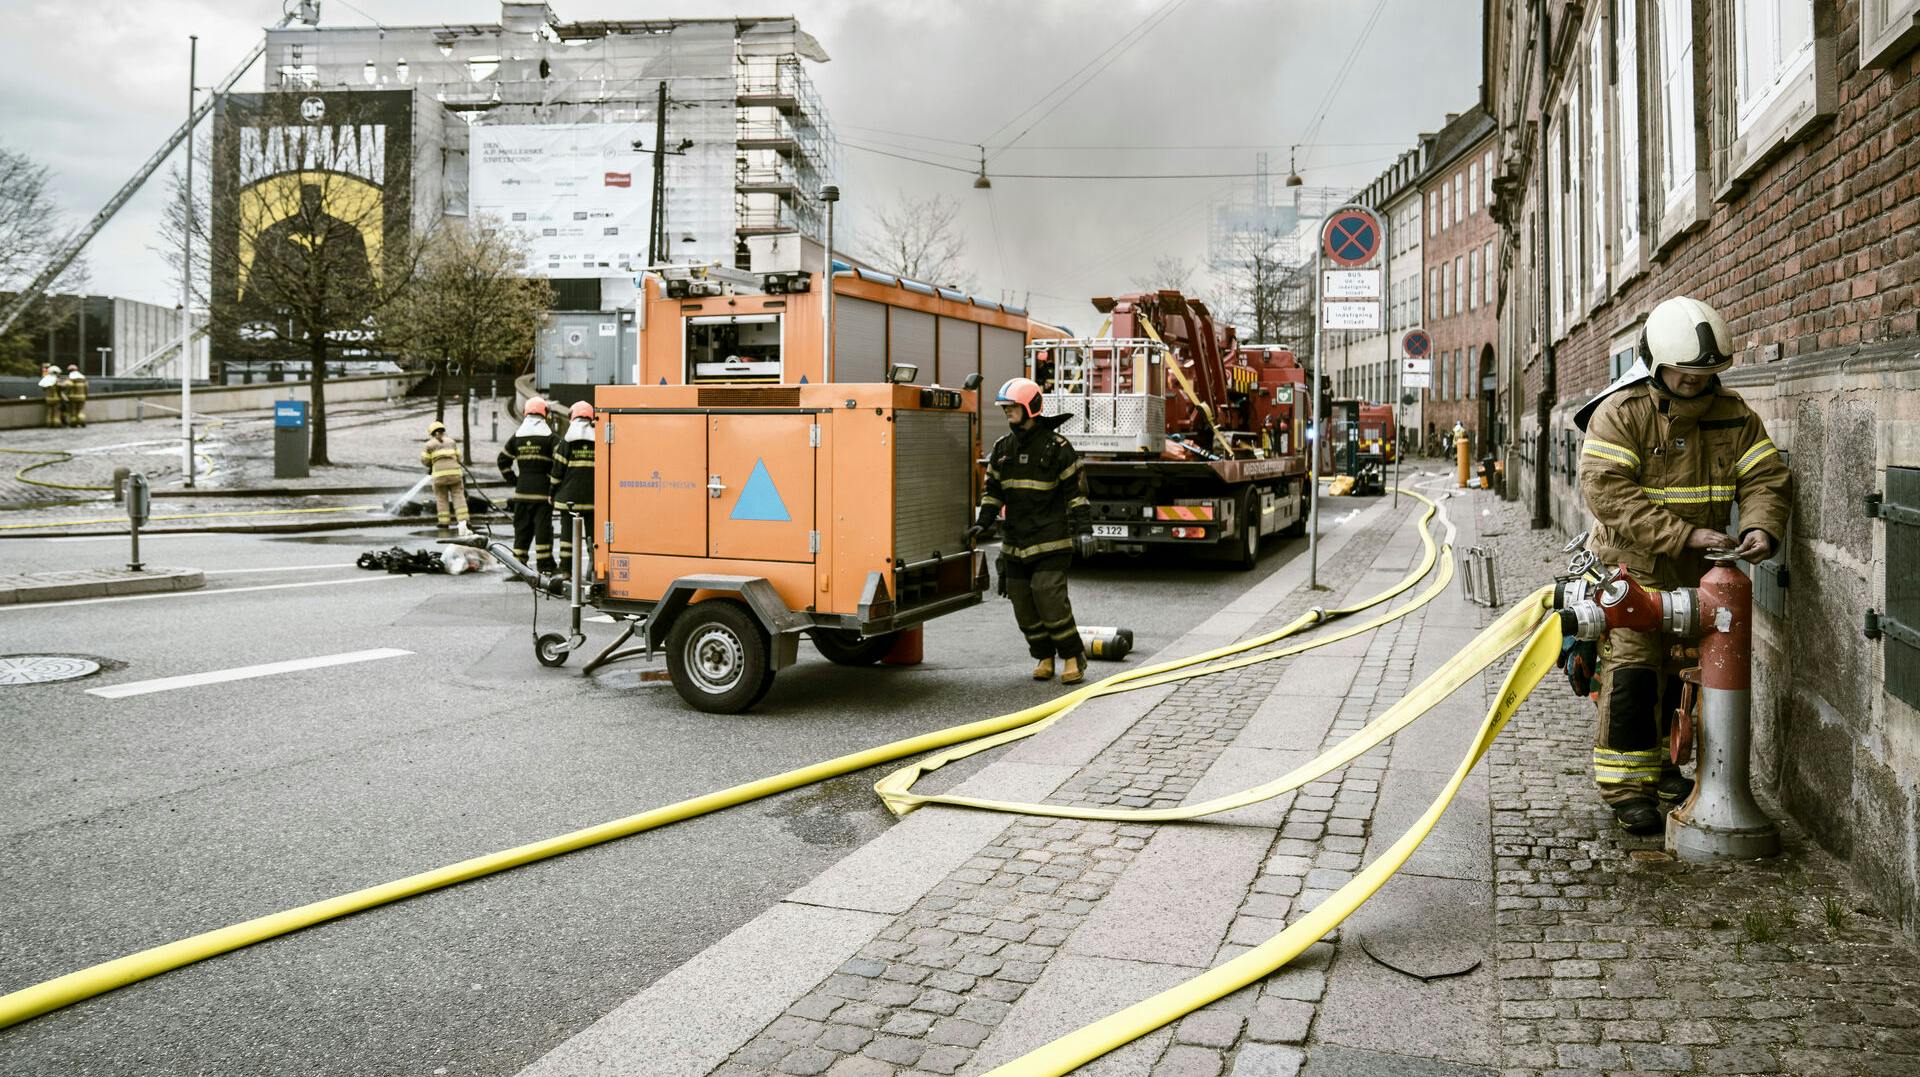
<point>760,500</point>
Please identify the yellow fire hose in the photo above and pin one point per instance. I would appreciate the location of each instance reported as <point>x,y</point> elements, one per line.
<point>38,999</point>
<point>195,516</point>
<point>59,456</point>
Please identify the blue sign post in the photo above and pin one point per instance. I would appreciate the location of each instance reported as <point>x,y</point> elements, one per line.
<point>289,439</point>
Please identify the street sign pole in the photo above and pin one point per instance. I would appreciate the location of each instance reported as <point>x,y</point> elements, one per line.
<point>1313,431</point>
<point>1386,330</point>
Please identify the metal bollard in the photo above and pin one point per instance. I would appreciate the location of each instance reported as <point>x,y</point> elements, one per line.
<point>120,484</point>
<point>138,503</point>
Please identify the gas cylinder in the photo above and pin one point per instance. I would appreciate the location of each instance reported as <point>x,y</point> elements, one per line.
<point>1107,643</point>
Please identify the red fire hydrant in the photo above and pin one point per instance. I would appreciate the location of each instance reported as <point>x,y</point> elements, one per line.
<point>1721,820</point>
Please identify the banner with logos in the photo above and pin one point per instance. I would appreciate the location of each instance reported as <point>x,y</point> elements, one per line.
<point>581,193</point>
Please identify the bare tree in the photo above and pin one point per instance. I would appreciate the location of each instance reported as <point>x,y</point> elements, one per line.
<point>1169,273</point>
<point>31,232</point>
<point>919,238</point>
<point>471,307</point>
<point>304,260</point>
<point>1266,291</point>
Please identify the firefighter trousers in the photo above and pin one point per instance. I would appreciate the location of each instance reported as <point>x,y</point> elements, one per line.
<point>1038,591</point>
<point>450,501</point>
<point>533,532</point>
<point>563,540</point>
<point>1639,687</point>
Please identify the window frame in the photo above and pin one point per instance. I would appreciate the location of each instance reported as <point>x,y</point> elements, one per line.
<point>1473,187</point>
<point>1747,137</point>
<point>1882,45</point>
<point>1630,181</point>
<point>1473,279</point>
<point>1681,208</point>
<point>1487,290</point>
<point>1597,233</point>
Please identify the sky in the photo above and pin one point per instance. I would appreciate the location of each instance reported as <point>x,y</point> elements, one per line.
<point>91,88</point>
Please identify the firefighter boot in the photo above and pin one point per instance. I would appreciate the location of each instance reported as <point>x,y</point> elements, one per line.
<point>1674,788</point>
<point>1043,671</point>
<point>1073,670</point>
<point>1639,816</point>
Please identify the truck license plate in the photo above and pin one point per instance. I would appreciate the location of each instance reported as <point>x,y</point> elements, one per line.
<point>1109,530</point>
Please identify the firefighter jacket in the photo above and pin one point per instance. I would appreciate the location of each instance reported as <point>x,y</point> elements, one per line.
<point>526,460</point>
<point>441,458</point>
<point>1036,475</point>
<point>573,468</point>
<point>77,388</point>
<point>1655,466</point>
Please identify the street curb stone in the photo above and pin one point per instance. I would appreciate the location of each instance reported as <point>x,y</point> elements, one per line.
<point>95,583</point>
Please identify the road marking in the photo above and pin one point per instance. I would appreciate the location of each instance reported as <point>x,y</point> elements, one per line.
<point>198,594</point>
<point>219,676</point>
<point>278,568</point>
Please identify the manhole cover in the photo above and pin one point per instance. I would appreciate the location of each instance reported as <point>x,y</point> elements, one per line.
<point>41,668</point>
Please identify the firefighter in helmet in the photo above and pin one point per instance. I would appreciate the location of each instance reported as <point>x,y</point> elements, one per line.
<point>441,458</point>
<point>526,461</point>
<point>55,401</point>
<point>1669,454</point>
<point>573,480</point>
<point>76,396</point>
<point>1035,475</point>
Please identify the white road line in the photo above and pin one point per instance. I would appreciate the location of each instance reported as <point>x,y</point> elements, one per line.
<point>277,568</point>
<point>218,676</point>
<point>198,594</point>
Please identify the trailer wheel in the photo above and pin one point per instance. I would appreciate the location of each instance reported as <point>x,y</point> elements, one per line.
<point>1248,554</point>
<point>547,649</point>
<point>719,657</point>
<point>844,647</point>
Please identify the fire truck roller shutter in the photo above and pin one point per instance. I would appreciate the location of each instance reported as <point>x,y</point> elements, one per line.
<point>959,350</point>
<point>933,502</point>
<point>859,340</point>
<point>1003,355</point>
<point>910,340</point>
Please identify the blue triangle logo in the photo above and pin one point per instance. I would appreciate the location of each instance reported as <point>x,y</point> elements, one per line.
<point>760,500</point>
<point>803,379</point>
<point>663,379</point>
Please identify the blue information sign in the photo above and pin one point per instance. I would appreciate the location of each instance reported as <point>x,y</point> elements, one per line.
<point>289,413</point>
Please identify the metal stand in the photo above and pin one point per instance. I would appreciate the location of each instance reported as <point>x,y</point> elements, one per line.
<point>1477,577</point>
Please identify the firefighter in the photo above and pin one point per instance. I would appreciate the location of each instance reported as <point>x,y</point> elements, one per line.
<point>441,458</point>
<point>1668,454</point>
<point>526,460</point>
<point>573,480</point>
<point>76,397</point>
<point>55,401</point>
<point>1035,475</point>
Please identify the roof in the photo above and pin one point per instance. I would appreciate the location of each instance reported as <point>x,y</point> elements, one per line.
<point>1461,134</point>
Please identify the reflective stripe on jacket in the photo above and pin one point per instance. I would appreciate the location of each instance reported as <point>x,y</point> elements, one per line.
<point>1655,466</point>
<point>1036,474</point>
<point>527,459</point>
<point>573,475</point>
<point>441,458</point>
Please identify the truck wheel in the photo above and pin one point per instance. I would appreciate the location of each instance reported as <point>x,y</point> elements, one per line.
<point>1248,553</point>
<point>844,647</point>
<point>719,657</point>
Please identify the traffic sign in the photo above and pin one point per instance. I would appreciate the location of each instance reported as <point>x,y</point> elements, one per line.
<point>1416,381</point>
<point>1350,314</point>
<point>1352,237</point>
<point>1416,366</point>
<point>1416,344</point>
<point>1351,284</point>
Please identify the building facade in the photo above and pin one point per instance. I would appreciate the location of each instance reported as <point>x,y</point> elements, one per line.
<point>1762,156</point>
<point>1462,278</point>
<point>112,336</point>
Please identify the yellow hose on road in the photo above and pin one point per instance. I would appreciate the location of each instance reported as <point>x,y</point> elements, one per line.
<point>1085,1044</point>
<point>30,1002</point>
<point>197,516</point>
<point>60,456</point>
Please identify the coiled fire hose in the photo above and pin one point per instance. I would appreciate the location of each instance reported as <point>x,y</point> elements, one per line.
<point>1076,1048</point>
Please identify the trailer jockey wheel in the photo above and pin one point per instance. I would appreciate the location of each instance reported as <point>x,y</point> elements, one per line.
<point>719,657</point>
<point>547,649</point>
<point>847,648</point>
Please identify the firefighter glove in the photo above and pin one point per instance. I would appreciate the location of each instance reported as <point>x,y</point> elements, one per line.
<point>1580,659</point>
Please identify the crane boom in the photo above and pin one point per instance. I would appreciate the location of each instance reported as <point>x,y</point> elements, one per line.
<point>78,241</point>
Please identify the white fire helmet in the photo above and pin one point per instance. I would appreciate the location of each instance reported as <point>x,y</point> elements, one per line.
<point>1687,335</point>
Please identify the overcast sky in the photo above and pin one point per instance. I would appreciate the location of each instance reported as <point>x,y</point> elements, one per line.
<point>91,87</point>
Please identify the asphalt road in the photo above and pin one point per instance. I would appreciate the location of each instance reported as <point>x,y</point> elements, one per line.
<point>130,822</point>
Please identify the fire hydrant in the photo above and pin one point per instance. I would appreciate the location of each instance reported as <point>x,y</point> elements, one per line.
<point>1721,820</point>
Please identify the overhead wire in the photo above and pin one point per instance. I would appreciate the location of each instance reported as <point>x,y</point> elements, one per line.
<point>1123,43</point>
<point>1340,77</point>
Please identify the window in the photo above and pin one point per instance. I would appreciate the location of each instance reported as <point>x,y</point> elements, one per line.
<point>1473,280</point>
<point>1486,282</point>
<point>1597,160</point>
<point>1460,284</point>
<point>733,346</point>
<point>1459,203</point>
<point>1674,77</point>
<point>1773,43</point>
<point>1433,293</point>
<point>1473,188</point>
<point>1433,214</point>
<point>1575,217</point>
<point>1486,169</point>
<point>1447,288</point>
<point>1626,110</point>
<point>1556,212</point>
<point>1888,28</point>
<point>1464,372</point>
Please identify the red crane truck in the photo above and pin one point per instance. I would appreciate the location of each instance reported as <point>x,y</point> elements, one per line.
<point>1189,438</point>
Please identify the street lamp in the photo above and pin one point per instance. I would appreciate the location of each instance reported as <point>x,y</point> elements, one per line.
<point>102,350</point>
<point>981,182</point>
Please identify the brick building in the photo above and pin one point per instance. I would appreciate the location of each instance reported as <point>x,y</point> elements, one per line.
<point>1762,156</point>
<point>1458,251</point>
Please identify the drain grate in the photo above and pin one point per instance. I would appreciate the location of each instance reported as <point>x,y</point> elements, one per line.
<point>42,668</point>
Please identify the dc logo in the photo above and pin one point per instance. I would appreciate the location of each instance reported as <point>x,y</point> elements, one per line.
<point>313,110</point>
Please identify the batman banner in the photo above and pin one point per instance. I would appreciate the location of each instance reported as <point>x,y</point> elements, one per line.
<point>311,197</point>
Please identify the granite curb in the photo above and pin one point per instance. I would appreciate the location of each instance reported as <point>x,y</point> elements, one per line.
<point>95,583</point>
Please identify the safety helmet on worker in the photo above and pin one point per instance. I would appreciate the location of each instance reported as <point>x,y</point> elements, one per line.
<point>436,427</point>
<point>1023,393</point>
<point>72,369</point>
<point>581,410</point>
<point>1687,335</point>
<point>536,405</point>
